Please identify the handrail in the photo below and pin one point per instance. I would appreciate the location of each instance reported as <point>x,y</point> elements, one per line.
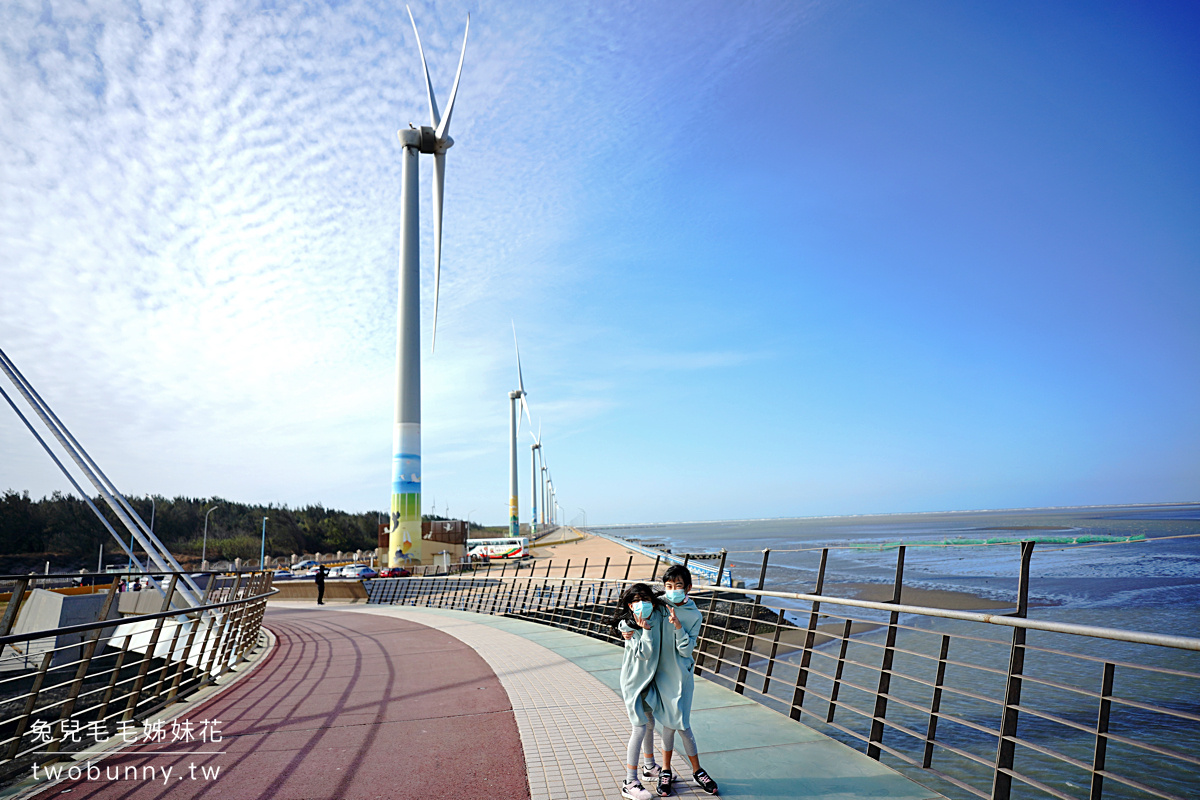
<point>1094,631</point>
<point>899,685</point>
<point>113,622</point>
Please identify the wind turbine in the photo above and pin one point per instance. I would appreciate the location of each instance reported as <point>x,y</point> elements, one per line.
<point>514,426</point>
<point>543,488</point>
<point>534,452</point>
<point>404,535</point>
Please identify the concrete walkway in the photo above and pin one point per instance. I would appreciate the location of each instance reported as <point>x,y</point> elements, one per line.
<point>565,696</point>
<point>375,701</point>
<point>345,707</point>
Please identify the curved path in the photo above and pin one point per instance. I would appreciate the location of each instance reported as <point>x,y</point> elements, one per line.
<point>369,706</point>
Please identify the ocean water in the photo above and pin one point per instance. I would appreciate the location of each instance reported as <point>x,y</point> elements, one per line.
<point>1161,572</point>
<point>1151,585</point>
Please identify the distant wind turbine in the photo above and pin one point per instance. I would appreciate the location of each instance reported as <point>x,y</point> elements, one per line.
<point>404,536</point>
<point>514,426</point>
<point>534,452</point>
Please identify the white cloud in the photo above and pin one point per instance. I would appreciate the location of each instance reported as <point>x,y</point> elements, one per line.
<point>198,222</point>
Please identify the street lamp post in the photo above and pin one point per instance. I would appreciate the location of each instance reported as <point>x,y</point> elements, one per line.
<point>262,553</point>
<point>204,547</point>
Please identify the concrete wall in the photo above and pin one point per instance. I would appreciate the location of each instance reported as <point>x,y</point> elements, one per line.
<point>351,591</point>
<point>44,610</point>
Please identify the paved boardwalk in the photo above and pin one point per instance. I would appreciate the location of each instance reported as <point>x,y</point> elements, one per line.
<point>348,707</point>
<point>393,701</point>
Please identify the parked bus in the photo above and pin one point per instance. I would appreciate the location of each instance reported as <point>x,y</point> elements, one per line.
<point>507,547</point>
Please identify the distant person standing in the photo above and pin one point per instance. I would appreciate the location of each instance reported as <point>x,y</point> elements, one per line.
<point>320,579</point>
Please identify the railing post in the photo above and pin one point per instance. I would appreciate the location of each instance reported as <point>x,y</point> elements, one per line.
<point>512,591</point>
<point>30,702</point>
<point>740,684</point>
<point>1006,747</point>
<point>1098,755</point>
<point>885,667</point>
<point>809,640</point>
<point>218,650</point>
<point>560,595</point>
<point>14,604</point>
<point>88,651</point>
<point>524,607</point>
<point>604,574</point>
<point>654,572</point>
<point>136,693</point>
<point>935,704</point>
<point>774,651</point>
<point>252,620</point>
<point>187,650</point>
<point>629,566</point>
<point>706,626</point>
<point>837,674</point>
<point>237,643</point>
<point>101,715</point>
<point>166,667</point>
<point>496,591</point>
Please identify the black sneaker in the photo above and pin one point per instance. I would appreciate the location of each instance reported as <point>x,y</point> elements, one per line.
<point>635,791</point>
<point>665,779</point>
<point>706,783</point>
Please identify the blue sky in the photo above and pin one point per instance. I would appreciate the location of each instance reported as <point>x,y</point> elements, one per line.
<point>765,259</point>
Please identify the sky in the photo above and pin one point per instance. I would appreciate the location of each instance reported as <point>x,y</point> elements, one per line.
<point>764,259</point>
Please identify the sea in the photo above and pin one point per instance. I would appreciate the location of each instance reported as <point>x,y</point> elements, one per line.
<point>1133,567</point>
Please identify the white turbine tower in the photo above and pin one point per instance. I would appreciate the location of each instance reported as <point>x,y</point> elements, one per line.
<point>404,537</point>
<point>534,452</point>
<point>514,426</point>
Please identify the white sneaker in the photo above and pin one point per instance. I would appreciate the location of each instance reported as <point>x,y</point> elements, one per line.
<point>635,791</point>
<point>650,773</point>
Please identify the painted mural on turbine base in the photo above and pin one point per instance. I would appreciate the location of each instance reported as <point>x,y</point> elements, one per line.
<point>404,533</point>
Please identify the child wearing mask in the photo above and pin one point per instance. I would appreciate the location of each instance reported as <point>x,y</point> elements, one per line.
<point>640,619</point>
<point>674,679</point>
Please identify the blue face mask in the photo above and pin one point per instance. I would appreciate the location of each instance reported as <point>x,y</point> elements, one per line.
<point>641,608</point>
<point>676,595</point>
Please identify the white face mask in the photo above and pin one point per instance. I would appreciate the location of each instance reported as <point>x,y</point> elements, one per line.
<point>641,608</point>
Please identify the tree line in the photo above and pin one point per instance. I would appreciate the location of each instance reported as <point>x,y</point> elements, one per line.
<point>64,526</point>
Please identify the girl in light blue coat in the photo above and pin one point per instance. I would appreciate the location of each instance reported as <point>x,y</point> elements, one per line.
<point>675,678</point>
<point>640,619</point>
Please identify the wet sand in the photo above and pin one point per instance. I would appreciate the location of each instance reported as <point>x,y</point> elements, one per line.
<point>578,547</point>
<point>584,550</point>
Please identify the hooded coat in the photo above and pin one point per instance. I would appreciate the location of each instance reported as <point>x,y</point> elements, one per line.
<point>674,679</point>
<point>639,664</point>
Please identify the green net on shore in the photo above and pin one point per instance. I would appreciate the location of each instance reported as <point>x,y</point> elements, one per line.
<point>964,542</point>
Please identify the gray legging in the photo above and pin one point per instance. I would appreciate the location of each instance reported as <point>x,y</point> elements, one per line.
<point>689,741</point>
<point>643,736</point>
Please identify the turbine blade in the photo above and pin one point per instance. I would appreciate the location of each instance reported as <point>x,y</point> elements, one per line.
<point>439,190</point>
<point>433,109</point>
<point>526,406</point>
<point>520,378</point>
<point>443,127</point>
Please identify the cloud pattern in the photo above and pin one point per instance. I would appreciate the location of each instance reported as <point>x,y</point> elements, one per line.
<point>199,220</point>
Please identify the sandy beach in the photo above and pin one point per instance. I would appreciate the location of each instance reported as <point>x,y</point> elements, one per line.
<point>569,551</point>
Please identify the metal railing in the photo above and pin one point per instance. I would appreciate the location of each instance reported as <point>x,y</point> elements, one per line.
<point>970,704</point>
<point>68,688</point>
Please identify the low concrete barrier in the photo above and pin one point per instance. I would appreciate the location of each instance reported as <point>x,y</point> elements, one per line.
<point>351,591</point>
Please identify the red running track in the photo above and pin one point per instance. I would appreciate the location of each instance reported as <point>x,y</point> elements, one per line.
<point>388,709</point>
